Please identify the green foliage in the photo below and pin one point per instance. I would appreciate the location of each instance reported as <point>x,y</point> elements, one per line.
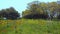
<point>52,9</point>
<point>34,9</point>
<point>9,13</point>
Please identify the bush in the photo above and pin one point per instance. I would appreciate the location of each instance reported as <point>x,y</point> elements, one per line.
<point>36,16</point>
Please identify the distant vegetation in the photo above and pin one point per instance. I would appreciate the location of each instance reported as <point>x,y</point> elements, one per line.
<point>42,10</point>
<point>9,13</point>
<point>35,10</point>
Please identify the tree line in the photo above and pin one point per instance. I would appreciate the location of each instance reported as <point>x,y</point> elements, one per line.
<point>35,10</point>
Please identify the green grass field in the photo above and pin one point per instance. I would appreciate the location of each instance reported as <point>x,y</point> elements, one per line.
<point>29,26</point>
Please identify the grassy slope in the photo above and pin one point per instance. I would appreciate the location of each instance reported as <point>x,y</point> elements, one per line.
<point>29,26</point>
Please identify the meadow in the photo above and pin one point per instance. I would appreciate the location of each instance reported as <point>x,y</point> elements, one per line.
<point>29,26</point>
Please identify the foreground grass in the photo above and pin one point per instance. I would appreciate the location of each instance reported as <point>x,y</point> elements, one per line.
<point>29,26</point>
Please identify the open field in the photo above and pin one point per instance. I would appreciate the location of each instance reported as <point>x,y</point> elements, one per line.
<point>29,26</point>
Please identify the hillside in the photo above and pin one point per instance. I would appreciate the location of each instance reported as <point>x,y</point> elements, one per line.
<point>29,26</point>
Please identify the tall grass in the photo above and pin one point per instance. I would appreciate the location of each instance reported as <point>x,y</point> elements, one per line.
<point>29,26</point>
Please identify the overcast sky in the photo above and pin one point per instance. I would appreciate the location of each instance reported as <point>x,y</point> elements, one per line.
<point>19,5</point>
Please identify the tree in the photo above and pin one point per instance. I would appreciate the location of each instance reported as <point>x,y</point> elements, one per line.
<point>54,9</point>
<point>35,10</point>
<point>9,13</point>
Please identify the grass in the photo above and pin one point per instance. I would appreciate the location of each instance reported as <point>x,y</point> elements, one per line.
<point>29,26</point>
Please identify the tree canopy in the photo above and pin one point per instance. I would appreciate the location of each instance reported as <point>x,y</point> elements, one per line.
<point>47,10</point>
<point>9,13</point>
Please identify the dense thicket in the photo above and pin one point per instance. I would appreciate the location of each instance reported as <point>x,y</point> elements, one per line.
<point>43,10</point>
<point>9,13</point>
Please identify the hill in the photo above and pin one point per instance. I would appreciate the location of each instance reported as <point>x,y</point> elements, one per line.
<point>29,26</point>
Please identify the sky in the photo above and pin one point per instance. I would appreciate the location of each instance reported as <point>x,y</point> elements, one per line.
<point>19,5</point>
